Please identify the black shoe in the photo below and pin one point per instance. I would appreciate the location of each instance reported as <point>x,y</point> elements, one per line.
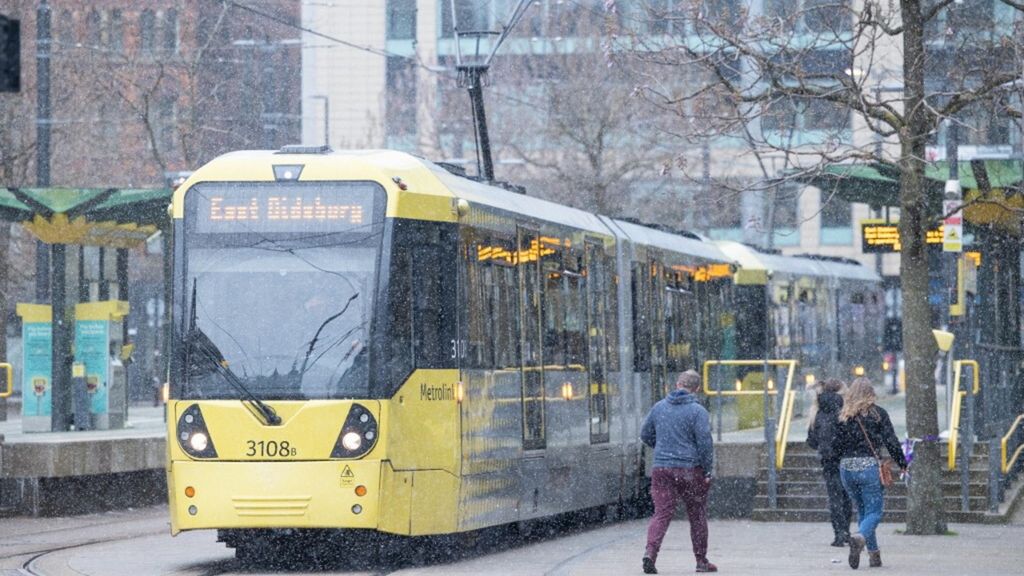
<point>649,566</point>
<point>839,542</point>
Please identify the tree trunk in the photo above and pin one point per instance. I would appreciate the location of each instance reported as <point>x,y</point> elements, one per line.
<point>925,514</point>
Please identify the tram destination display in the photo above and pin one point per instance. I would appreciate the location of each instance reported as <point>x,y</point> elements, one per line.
<point>335,207</point>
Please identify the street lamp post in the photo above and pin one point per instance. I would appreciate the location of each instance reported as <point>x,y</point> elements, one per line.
<point>327,117</point>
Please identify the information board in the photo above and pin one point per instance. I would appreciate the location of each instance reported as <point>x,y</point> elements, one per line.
<point>282,208</point>
<point>92,348</point>
<point>38,372</point>
<point>882,237</point>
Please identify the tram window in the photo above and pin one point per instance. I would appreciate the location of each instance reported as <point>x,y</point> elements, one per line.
<point>575,310</point>
<point>641,325</point>
<point>428,307</point>
<point>533,380</point>
<point>612,314</point>
<point>505,309</point>
<point>554,308</point>
<point>478,352</point>
<point>595,275</point>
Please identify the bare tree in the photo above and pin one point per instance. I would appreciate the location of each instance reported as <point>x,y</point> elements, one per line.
<point>900,68</point>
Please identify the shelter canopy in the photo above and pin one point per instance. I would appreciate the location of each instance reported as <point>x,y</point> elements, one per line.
<point>110,217</point>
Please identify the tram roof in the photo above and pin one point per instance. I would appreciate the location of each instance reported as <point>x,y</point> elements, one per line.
<point>673,242</point>
<point>752,260</point>
<point>530,206</point>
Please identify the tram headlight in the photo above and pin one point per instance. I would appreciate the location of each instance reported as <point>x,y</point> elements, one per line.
<point>199,441</point>
<point>351,441</point>
<point>193,437</point>
<point>358,435</point>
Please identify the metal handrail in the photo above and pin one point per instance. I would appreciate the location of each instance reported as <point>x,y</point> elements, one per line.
<point>782,434</point>
<point>957,408</point>
<point>739,391</point>
<point>788,397</point>
<point>10,379</point>
<point>1006,466</point>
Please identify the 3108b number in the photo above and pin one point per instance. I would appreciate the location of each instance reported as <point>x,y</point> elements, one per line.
<point>270,449</point>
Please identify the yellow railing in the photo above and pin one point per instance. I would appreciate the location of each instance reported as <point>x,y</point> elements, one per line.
<point>788,396</point>
<point>9,380</point>
<point>958,402</point>
<point>1007,465</point>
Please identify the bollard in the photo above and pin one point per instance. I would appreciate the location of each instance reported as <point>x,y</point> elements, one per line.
<point>994,475</point>
<point>80,403</point>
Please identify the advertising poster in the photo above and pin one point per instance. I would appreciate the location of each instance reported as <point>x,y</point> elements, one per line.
<point>91,349</point>
<point>37,339</point>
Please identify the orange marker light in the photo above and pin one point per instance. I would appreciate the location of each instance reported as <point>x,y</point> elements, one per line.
<point>190,491</point>
<point>360,490</point>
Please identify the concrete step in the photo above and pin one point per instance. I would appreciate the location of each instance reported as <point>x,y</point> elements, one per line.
<point>892,503</point>
<point>817,488</point>
<point>787,474</point>
<point>890,516</point>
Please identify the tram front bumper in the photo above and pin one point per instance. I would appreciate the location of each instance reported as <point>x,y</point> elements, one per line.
<point>274,494</point>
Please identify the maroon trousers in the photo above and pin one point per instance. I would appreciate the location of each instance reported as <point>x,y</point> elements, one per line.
<point>668,486</point>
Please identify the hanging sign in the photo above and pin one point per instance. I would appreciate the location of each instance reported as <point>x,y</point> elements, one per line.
<point>953,224</point>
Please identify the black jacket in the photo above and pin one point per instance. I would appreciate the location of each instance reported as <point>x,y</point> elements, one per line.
<point>821,436</point>
<point>850,441</point>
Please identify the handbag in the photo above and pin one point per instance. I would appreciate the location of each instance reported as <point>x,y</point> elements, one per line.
<point>884,469</point>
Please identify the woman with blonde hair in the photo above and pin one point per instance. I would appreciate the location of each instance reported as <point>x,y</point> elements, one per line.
<point>864,428</point>
<point>821,436</point>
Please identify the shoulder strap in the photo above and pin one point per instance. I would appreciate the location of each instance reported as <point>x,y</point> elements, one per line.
<point>866,437</point>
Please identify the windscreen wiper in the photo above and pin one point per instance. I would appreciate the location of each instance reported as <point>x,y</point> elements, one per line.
<point>198,342</point>
<point>316,336</point>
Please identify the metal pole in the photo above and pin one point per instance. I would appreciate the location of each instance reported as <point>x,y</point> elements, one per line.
<point>327,121</point>
<point>769,421</point>
<point>43,112</point>
<point>476,96</point>
<point>63,326</point>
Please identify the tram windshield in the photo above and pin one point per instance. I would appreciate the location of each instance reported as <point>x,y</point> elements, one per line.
<point>280,279</point>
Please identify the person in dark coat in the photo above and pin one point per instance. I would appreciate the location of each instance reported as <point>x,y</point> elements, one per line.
<point>821,436</point>
<point>864,430</point>
<point>679,430</point>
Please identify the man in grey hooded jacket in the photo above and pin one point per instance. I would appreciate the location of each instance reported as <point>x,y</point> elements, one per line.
<point>679,430</point>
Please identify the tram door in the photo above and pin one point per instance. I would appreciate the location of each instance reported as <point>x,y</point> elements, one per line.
<point>596,346</point>
<point>531,343</point>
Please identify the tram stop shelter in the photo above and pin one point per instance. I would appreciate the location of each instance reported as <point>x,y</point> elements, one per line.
<point>84,238</point>
<point>993,212</point>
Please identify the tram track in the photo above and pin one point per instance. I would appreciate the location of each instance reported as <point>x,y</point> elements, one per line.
<point>30,566</point>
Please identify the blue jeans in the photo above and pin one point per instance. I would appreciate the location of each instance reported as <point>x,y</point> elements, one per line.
<point>865,489</point>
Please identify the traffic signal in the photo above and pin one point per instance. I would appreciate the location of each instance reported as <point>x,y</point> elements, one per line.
<point>10,55</point>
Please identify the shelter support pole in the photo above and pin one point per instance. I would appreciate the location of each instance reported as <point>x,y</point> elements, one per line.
<point>63,337</point>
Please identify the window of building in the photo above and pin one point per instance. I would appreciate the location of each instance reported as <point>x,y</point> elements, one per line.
<point>115,31</point>
<point>66,38</point>
<point>166,124</point>
<point>401,19</point>
<point>823,18</point>
<point>836,220</point>
<point>472,15</point>
<point>147,31</point>
<point>93,28</point>
<point>799,115</point>
<point>170,31</point>
<point>400,103</point>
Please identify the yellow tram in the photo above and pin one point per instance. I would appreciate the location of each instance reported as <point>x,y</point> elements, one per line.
<point>367,340</point>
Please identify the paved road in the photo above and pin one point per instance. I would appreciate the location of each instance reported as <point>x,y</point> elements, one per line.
<point>136,543</point>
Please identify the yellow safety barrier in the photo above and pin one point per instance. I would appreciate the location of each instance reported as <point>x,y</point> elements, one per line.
<point>957,408</point>
<point>10,379</point>
<point>788,396</point>
<point>1007,465</point>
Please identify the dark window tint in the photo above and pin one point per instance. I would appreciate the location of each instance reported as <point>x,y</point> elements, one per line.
<point>401,23</point>
<point>147,32</point>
